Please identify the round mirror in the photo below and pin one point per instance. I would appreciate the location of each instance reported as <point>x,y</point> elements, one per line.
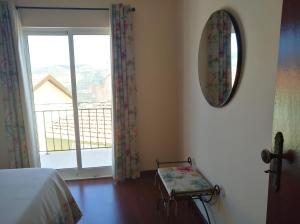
<point>219,58</point>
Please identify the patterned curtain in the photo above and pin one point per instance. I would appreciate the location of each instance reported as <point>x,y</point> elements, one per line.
<point>219,57</point>
<point>126,159</point>
<point>10,94</point>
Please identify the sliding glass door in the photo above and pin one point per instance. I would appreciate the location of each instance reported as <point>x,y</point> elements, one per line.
<point>71,78</point>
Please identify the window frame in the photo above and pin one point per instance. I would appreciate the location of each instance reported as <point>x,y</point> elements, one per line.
<point>79,172</point>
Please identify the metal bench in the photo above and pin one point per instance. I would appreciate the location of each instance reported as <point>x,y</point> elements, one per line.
<point>182,182</point>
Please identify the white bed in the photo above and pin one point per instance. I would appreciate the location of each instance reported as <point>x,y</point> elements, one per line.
<point>35,196</point>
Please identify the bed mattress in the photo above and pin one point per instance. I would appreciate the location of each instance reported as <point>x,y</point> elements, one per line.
<point>35,196</point>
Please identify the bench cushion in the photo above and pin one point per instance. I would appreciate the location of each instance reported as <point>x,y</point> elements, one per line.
<point>183,179</point>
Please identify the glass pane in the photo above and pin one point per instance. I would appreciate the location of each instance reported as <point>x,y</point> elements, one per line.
<point>94,97</point>
<point>51,80</point>
<point>234,57</point>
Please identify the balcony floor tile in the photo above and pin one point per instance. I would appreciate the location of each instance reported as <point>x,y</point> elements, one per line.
<point>67,159</point>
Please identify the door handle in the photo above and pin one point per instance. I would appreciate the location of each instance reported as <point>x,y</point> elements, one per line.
<point>275,160</point>
<point>267,156</point>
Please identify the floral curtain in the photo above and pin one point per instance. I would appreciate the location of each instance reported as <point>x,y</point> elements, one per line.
<point>126,159</point>
<point>219,57</point>
<point>11,102</point>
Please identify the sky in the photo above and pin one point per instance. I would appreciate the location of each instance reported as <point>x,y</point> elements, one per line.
<point>93,50</point>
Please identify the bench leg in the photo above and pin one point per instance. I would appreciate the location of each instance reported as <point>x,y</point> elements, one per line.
<point>167,202</point>
<point>155,178</point>
<point>162,200</point>
<point>169,205</point>
<point>176,207</point>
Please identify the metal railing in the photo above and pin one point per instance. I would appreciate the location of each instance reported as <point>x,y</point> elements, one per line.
<point>56,129</point>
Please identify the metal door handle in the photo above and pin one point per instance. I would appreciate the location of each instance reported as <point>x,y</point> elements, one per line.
<point>267,156</point>
<point>275,159</point>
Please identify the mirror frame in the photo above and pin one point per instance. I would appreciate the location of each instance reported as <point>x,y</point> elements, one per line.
<point>239,59</point>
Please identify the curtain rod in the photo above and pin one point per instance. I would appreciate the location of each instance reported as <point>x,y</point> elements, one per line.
<point>63,8</point>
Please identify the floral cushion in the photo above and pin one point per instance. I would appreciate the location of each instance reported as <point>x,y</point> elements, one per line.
<point>183,180</point>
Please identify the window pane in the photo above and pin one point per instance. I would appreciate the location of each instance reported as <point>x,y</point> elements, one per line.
<point>50,67</point>
<point>94,96</point>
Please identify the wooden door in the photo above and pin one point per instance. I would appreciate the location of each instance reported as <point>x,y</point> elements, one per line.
<point>284,205</point>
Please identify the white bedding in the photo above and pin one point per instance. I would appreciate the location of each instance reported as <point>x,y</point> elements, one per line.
<point>35,196</point>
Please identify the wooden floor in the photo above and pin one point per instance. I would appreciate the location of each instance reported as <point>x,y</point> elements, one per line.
<point>132,202</point>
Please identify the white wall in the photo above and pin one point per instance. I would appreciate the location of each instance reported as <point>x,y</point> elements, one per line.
<point>226,143</point>
<point>157,83</point>
<point>41,95</point>
<point>155,48</point>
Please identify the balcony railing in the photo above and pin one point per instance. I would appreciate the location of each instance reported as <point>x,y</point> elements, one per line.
<point>56,128</point>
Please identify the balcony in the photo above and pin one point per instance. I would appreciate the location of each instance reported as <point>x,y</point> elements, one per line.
<point>56,133</point>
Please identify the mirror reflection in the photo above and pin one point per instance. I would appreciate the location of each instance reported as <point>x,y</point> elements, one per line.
<point>219,58</point>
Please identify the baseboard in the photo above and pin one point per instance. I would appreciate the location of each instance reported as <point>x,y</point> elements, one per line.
<point>148,172</point>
